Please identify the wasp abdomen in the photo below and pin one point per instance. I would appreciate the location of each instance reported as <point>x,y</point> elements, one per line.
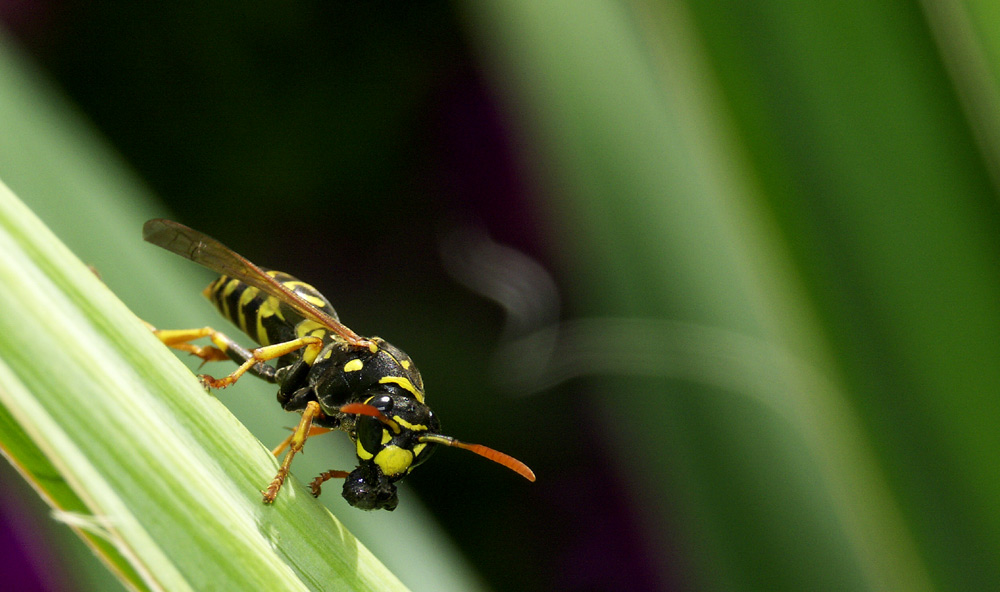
<point>264,318</point>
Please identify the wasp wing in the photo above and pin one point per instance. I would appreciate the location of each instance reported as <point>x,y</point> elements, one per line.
<point>206,251</point>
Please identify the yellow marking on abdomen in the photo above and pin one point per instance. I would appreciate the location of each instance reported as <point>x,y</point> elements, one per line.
<point>217,292</point>
<point>268,308</point>
<point>292,284</point>
<point>245,298</point>
<point>308,328</point>
<point>313,299</point>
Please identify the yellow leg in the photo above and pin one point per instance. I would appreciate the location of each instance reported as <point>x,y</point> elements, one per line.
<point>179,339</point>
<point>295,443</point>
<point>313,431</point>
<point>263,354</point>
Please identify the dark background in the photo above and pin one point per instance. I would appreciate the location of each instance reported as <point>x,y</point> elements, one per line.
<point>771,231</point>
<point>343,142</point>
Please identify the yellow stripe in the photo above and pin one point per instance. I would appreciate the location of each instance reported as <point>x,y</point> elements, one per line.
<point>292,284</point>
<point>269,308</point>
<point>248,295</point>
<point>413,427</point>
<point>230,287</point>
<point>405,383</point>
<point>223,287</point>
<point>309,328</point>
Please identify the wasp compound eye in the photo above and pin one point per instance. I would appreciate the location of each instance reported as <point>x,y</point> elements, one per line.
<point>369,436</point>
<point>383,403</point>
<point>367,488</point>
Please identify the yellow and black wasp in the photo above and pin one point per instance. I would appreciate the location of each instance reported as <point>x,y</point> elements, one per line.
<point>334,377</point>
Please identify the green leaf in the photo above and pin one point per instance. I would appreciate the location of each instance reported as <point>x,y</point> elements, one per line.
<point>75,183</point>
<point>158,467</point>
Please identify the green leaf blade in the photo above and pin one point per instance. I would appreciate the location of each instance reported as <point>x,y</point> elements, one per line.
<point>167,473</point>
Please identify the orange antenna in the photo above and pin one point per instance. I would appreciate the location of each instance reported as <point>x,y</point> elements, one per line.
<point>485,451</point>
<point>370,411</point>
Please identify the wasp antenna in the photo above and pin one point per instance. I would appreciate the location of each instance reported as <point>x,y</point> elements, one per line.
<point>485,451</point>
<point>371,411</point>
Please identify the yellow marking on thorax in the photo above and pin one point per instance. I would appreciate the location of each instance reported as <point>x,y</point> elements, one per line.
<point>354,365</point>
<point>404,363</point>
<point>414,427</point>
<point>404,383</point>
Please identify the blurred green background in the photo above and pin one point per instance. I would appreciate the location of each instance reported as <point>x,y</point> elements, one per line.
<point>735,267</point>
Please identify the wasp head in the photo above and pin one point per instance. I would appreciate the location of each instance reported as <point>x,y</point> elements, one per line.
<point>394,433</point>
<point>387,436</point>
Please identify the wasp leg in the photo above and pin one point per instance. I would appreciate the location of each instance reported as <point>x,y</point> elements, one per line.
<point>179,339</point>
<point>295,443</point>
<point>316,484</point>
<point>254,358</point>
<point>313,431</point>
<point>224,347</point>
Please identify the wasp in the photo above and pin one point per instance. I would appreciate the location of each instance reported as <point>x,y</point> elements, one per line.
<point>335,378</point>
